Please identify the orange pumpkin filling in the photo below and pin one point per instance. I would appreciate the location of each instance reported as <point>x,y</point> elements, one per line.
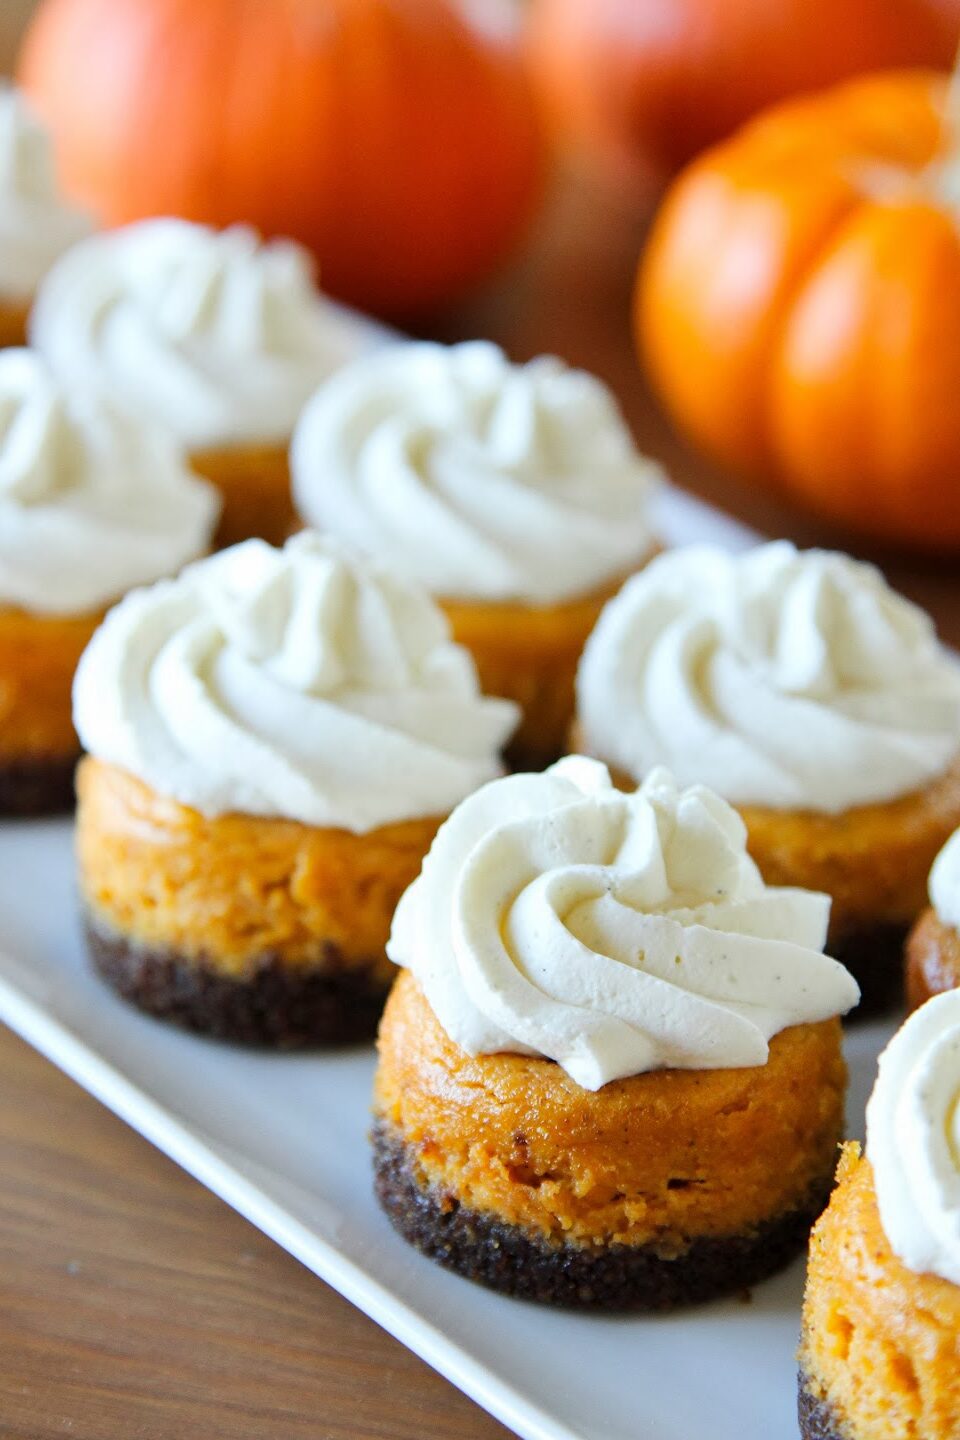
<point>14,315</point>
<point>661,1158</point>
<point>530,654</point>
<point>38,657</point>
<point>254,484</point>
<point>932,959</point>
<point>873,860</point>
<point>237,887</point>
<point>879,1342</point>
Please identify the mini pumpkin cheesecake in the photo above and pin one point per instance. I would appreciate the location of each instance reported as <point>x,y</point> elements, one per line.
<point>880,1349</point>
<point>36,223</point>
<point>933,946</point>
<point>214,335</point>
<point>610,1073</point>
<point>273,741</point>
<point>814,699</point>
<point>91,504</point>
<point>513,492</point>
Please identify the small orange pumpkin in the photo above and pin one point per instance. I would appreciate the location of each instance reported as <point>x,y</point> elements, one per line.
<point>398,139</point>
<point>798,306</point>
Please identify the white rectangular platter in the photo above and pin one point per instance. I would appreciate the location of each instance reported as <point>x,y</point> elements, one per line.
<point>283,1139</point>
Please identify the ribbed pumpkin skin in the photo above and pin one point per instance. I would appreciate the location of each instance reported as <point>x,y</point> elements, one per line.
<point>798,308</point>
<point>644,85</point>
<point>395,138</point>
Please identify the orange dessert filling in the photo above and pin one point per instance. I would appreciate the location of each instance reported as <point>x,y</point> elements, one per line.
<point>38,657</point>
<point>14,315</point>
<point>881,1345</point>
<point>529,654</point>
<point>933,959</point>
<point>232,889</point>
<point>254,482</point>
<point>873,860</point>
<point>661,1158</point>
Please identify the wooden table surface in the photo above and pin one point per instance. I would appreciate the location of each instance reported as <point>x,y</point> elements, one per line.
<point>133,1304</point>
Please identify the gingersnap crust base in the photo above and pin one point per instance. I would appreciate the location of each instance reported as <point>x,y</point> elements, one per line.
<point>275,1005</point>
<point>817,1420</point>
<point>507,1258</point>
<point>874,958</point>
<point>36,787</point>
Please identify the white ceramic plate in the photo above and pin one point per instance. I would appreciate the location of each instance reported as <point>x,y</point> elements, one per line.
<point>283,1140</point>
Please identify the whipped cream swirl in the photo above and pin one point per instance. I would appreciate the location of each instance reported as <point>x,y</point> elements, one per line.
<point>217,336</point>
<point>36,223</point>
<point>303,683</point>
<point>481,479</point>
<point>92,501</point>
<point>790,680</point>
<point>945,883</point>
<point>614,933</point>
<point>913,1139</point>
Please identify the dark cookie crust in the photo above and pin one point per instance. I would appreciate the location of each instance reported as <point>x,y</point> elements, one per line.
<point>274,1005</point>
<point>874,958</point>
<point>34,787</point>
<point>817,1420</point>
<point>613,1277</point>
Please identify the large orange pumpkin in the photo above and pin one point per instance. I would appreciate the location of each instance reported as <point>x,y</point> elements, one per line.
<point>397,138</point>
<point>647,84</point>
<point>798,306</point>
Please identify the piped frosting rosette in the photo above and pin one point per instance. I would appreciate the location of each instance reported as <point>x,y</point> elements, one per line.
<point>614,933</point>
<point>305,683</point>
<point>913,1139</point>
<point>217,336</point>
<point>92,501</point>
<point>36,223</point>
<point>781,678</point>
<point>481,479</point>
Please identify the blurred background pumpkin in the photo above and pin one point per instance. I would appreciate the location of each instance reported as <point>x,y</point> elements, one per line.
<point>798,306</point>
<point>643,85</point>
<point>398,139</point>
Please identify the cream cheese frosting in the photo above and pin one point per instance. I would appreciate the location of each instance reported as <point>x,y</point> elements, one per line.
<point>786,679</point>
<point>217,336</point>
<point>36,222</point>
<point>92,502</point>
<point>481,479</point>
<point>614,933</point>
<point>945,883</point>
<point>913,1139</point>
<point>305,683</point>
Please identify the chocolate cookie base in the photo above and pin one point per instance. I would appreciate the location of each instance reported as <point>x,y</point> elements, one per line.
<point>612,1277</point>
<point>35,787</point>
<point>275,1005</point>
<point>817,1420</point>
<point>874,958</point>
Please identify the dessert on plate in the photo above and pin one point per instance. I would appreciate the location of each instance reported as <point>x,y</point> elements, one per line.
<point>515,493</point>
<point>610,1071</point>
<point>273,739</point>
<point>92,502</point>
<point>36,223</point>
<point>880,1349</point>
<point>933,945</point>
<point>816,700</point>
<point>213,334</point>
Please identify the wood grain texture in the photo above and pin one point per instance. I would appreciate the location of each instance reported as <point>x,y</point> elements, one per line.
<point>133,1304</point>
